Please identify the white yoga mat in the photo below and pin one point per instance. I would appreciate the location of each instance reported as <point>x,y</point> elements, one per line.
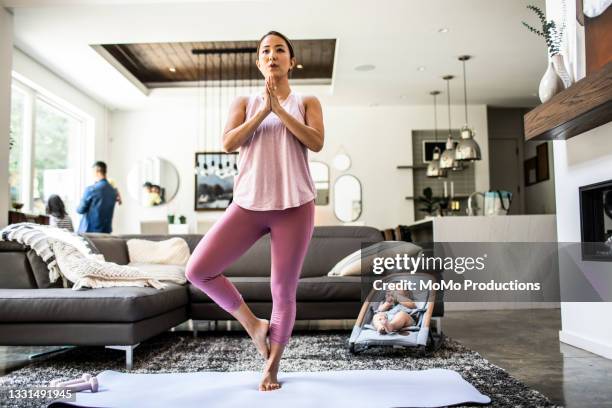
<point>348,388</point>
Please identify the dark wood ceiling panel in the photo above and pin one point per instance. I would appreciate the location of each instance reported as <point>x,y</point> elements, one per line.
<point>151,63</point>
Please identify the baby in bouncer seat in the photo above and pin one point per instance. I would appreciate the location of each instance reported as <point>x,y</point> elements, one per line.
<point>394,313</point>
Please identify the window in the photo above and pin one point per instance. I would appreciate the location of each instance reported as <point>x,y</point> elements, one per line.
<point>16,153</point>
<point>45,156</point>
<point>56,163</point>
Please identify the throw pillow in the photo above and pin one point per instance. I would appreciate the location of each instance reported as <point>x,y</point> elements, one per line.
<point>351,264</point>
<point>173,251</point>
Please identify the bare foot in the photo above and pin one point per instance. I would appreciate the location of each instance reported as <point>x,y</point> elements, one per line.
<point>259,338</point>
<point>269,382</point>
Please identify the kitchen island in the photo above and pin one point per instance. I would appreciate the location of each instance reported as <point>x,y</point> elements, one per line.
<point>507,262</point>
<point>480,228</point>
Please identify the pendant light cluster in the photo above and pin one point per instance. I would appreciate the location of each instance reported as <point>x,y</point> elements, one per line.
<point>455,154</point>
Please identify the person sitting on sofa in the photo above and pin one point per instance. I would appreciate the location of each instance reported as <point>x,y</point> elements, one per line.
<point>394,313</point>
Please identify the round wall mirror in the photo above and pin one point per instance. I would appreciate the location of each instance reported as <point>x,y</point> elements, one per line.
<point>153,181</point>
<point>342,161</point>
<point>320,176</point>
<point>347,198</point>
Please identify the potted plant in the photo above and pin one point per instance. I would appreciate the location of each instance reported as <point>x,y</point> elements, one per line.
<point>183,219</point>
<point>170,218</point>
<point>556,76</point>
<point>430,204</point>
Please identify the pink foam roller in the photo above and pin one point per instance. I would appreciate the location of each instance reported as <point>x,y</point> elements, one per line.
<point>59,383</point>
<point>91,385</point>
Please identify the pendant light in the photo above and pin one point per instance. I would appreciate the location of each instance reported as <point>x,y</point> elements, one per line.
<point>467,149</point>
<point>433,168</point>
<point>447,159</point>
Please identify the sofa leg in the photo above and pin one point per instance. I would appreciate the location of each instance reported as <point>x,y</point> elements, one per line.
<point>129,354</point>
<point>194,327</point>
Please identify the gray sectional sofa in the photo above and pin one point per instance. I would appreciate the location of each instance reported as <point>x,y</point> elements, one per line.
<point>35,312</point>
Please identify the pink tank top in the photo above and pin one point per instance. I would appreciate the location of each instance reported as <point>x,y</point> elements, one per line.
<point>273,171</point>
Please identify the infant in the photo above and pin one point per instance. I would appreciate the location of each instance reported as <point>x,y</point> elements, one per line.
<point>394,313</point>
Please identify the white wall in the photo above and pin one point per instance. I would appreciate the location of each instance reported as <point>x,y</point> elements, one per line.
<point>377,139</point>
<point>6,50</point>
<point>582,160</point>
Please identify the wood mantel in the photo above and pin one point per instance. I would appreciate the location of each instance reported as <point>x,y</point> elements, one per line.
<point>577,109</point>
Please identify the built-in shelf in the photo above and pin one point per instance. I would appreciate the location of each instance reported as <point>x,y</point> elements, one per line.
<point>575,110</point>
<point>422,166</point>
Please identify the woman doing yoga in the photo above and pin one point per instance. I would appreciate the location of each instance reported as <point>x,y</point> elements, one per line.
<point>273,193</point>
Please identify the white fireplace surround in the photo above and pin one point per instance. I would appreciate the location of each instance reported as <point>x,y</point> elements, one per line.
<point>582,160</point>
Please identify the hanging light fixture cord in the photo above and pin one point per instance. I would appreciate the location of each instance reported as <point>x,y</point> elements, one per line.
<point>435,95</point>
<point>199,120</point>
<point>205,126</point>
<point>465,93</point>
<point>449,107</point>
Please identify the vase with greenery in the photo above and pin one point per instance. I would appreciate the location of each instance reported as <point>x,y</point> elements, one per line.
<point>556,77</point>
<point>182,219</point>
<point>430,204</point>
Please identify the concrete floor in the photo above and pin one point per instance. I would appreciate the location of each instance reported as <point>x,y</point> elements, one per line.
<point>526,344</point>
<point>523,342</point>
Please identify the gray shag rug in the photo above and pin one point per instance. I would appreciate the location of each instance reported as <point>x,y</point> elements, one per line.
<point>307,351</point>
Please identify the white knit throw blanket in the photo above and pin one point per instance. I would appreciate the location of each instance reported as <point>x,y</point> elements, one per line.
<point>68,255</point>
<point>98,274</point>
<point>38,237</point>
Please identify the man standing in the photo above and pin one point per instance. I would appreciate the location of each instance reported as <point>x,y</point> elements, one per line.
<point>98,203</point>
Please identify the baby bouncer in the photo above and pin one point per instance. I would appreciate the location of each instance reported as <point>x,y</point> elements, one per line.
<point>420,335</point>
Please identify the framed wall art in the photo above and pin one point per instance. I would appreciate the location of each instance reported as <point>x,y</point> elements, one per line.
<point>214,180</point>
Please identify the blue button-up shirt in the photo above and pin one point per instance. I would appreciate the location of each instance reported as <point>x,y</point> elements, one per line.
<point>97,206</point>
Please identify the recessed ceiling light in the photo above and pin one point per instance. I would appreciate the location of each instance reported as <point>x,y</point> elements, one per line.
<point>365,67</point>
<point>443,30</point>
<point>421,68</point>
<point>172,69</point>
<point>300,66</point>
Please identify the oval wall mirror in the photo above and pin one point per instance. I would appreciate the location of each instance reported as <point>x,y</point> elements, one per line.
<point>320,175</point>
<point>153,181</point>
<point>347,198</point>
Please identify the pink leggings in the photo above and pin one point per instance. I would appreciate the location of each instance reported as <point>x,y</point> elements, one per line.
<point>232,235</point>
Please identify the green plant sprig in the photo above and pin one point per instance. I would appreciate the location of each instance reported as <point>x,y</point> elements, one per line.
<point>552,35</point>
